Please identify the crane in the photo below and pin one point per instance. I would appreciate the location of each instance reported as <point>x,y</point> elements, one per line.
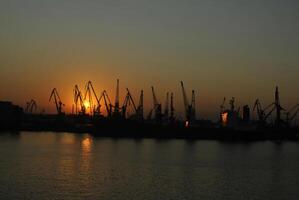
<point>88,93</point>
<point>166,109</point>
<point>78,97</point>
<point>157,107</point>
<point>291,114</point>
<point>221,110</point>
<point>116,111</point>
<point>30,106</point>
<point>140,107</point>
<point>262,114</point>
<point>171,118</point>
<point>278,108</point>
<point>189,108</point>
<point>107,102</point>
<point>55,96</point>
<point>232,104</point>
<point>127,102</point>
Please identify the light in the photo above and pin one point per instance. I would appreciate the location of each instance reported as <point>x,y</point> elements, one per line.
<point>187,124</point>
<point>224,117</point>
<point>86,104</point>
<point>86,144</point>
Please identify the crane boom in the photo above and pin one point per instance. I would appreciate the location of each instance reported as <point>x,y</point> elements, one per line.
<point>128,101</point>
<point>78,97</point>
<point>54,95</point>
<point>189,108</point>
<point>89,91</point>
<point>186,103</point>
<point>140,106</point>
<point>291,116</point>
<point>107,102</point>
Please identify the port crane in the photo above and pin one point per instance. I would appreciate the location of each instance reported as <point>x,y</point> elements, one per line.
<point>222,105</point>
<point>116,111</point>
<point>107,103</point>
<point>263,114</point>
<point>157,107</point>
<point>278,108</point>
<point>166,109</point>
<point>222,110</point>
<point>78,97</point>
<point>291,114</point>
<point>58,103</point>
<point>140,107</point>
<point>171,118</point>
<point>128,102</point>
<point>189,108</point>
<point>31,106</point>
<point>232,104</point>
<point>89,92</point>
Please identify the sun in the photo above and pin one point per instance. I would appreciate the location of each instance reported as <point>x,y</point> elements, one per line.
<point>86,104</point>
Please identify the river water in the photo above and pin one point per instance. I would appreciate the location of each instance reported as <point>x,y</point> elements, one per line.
<point>79,166</point>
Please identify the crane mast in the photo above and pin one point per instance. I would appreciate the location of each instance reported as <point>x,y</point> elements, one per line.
<point>193,117</point>
<point>116,112</point>
<point>157,107</point>
<point>171,108</point>
<point>278,108</point>
<point>166,109</point>
<point>140,106</point>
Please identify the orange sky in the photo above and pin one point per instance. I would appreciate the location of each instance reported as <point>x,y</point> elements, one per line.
<point>219,48</point>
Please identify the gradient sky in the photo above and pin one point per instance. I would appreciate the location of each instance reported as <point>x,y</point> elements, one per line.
<point>219,48</point>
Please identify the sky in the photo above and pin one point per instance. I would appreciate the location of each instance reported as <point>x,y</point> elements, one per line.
<point>232,48</point>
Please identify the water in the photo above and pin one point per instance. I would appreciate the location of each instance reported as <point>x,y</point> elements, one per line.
<point>73,166</point>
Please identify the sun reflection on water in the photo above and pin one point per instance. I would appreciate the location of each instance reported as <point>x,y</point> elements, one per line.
<point>86,145</point>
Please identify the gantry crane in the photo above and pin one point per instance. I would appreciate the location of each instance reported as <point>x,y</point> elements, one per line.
<point>54,95</point>
<point>128,102</point>
<point>88,95</point>
<point>30,106</point>
<point>78,97</point>
<point>189,108</point>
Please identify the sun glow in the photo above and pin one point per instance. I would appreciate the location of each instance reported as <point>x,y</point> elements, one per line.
<point>86,104</point>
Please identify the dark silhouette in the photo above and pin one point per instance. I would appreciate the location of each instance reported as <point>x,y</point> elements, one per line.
<point>119,122</point>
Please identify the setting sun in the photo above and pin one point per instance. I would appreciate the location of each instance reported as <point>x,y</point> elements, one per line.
<point>86,104</point>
